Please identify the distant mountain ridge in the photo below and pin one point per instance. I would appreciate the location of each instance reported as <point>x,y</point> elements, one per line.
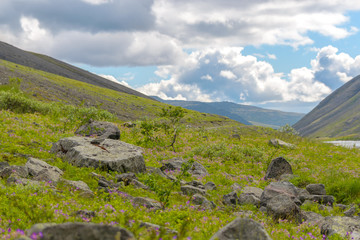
<point>51,65</point>
<point>338,115</point>
<point>245,114</point>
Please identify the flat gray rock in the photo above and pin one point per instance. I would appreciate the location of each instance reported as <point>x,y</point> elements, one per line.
<point>109,154</point>
<point>242,228</point>
<point>89,231</point>
<point>344,226</point>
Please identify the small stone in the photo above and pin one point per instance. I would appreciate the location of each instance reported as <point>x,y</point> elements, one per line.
<point>316,189</point>
<point>231,199</point>
<point>191,190</point>
<point>147,202</point>
<point>278,167</point>
<point>210,186</point>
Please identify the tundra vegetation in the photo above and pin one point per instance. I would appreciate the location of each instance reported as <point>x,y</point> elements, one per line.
<point>29,127</point>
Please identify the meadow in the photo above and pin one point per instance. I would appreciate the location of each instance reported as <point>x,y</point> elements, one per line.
<point>29,127</point>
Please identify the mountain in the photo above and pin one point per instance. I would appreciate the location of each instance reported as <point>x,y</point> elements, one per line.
<point>338,115</point>
<point>51,65</point>
<point>245,114</point>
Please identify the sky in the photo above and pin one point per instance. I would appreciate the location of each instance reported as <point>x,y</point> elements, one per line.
<point>280,54</point>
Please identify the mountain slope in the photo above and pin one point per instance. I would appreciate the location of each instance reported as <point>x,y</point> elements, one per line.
<point>242,113</point>
<point>338,115</point>
<point>51,65</point>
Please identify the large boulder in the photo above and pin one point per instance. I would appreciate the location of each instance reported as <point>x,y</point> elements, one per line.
<point>278,167</point>
<point>279,188</point>
<point>99,129</point>
<point>191,190</point>
<point>14,170</point>
<point>242,228</point>
<point>109,155</point>
<point>89,231</point>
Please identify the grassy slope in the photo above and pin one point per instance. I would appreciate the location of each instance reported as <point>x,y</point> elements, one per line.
<point>50,87</point>
<point>337,116</point>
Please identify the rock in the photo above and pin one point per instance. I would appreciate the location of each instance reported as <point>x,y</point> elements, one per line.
<point>278,167</point>
<point>85,213</point>
<point>100,129</point>
<point>126,177</point>
<point>280,143</point>
<point>47,175</point>
<point>15,179</point>
<point>138,184</point>
<point>4,165</point>
<point>322,199</point>
<point>176,163</point>
<point>350,212</point>
<point>316,189</point>
<point>246,198</point>
<point>279,188</point>
<point>312,218</point>
<point>147,202</point>
<point>236,187</point>
<point>283,207</point>
<point>344,226</point>
<point>253,190</point>
<point>111,154</point>
<point>129,125</point>
<point>19,171</point>
<point>231,199</point>
<point>80,231</point>
<point>198,199</point>
<point>195,183</point>
<point>210,186</point>
<point>341,206</point>
<point>191,190</point>
<point>79,186</point>
<point>35,166</point>
<point>155,227</point>
<point>242,228</point>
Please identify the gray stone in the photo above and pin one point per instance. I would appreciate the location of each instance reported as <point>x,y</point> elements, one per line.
<point>231,199</point>
<point>283,207</point>
<point>257,192</point>
<point>344,226</point>
<point>210,186</point>
<point>35,166</point>
<point>89,231</point>
<point>278,167</point>
<point>280,143</point>
<point>20,171</point>
<point>125,177</point>
<point>79,186</point>
<point>47,175</point>
<point>316,189</point>
<point>322,199</point>
<point>198,199</point>
<point>312,218</point>
<point>242,228</point>
<point>155,227</point>
<point>195,183</point>
<point>99,129</point>
<point>350,212</point>
<point>3,165</point>
<point>236,187</point>
<point>147,202</point>
<point>279,188</point>
<point>85,213</point>
<point>247,198</point>
<point>138,184</point>
<point>110,155</point>
<point>191,190</point>
<point>176,163</point>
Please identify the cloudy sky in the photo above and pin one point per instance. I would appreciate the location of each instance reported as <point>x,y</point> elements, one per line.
<point>280,54</point>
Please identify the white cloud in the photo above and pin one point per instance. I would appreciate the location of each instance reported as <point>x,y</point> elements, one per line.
<point>244,79</point>
<point>97,2</point>
<point>271,56</point>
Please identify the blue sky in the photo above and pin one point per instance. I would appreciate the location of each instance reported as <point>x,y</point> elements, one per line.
<point>280,54</point>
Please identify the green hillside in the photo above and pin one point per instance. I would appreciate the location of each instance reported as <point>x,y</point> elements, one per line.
<point>337,116</point>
